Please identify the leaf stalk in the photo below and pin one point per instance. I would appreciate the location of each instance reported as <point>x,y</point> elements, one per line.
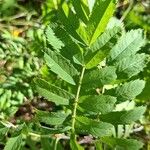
<point>77,100</point>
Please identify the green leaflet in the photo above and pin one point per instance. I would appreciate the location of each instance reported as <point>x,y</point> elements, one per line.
<point>3,131</point>
<point>101,47</point>
<point>98,145</point>
<point>108,37</point>
<point>85,6</point>
<point>81,30</point>
<point>91,4</point>
<point>97,103</point>
<point>49,144</point>
<point>131,65</point>
<point>129,90</point>
<point>115,22</point>
<point>46,144</point>
<point>70,48</point>
<point>51,118</point>
<point>70,21</point>
<point>53,40</point>
<point>79,8</point>
<point>123,144</point>
<point>123,117</point>
<point>145,95</point>
<point>21,129</point>
<point>61,66</point>
<point>78,59</point>
<point>101,13</point>
<point>52,93</point>
<point>45,130</point>
<point>99,77</point>
<point>14,143</point>
<point>96,128</point>
<point>128,45</point>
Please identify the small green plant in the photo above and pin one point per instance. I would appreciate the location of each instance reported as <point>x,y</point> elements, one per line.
<point>96,65</point>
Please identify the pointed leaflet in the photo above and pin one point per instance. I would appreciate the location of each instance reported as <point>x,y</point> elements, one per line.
<point>85,6</point>
<point>52,93</point>
<point>14,143</point>
<point>129,91</point>
<point>123,117</point>
<point>70,48</point>
<point>96,128</point>
<point>101,47</point>
<point>128,45</point>
<point>78,59</point>
<point>97,103</point>
<point>80,11</point>
<point>109,37</point>
<point>61,66</point>
<point>81,30</point>
<point>101,13</point>
<point>51,118</point>
<point>70,21</point>
<point>131,66</point>
<point>91,4</point>
<point>99,77</point>
<point>53,40</point>
<point>123,144</point>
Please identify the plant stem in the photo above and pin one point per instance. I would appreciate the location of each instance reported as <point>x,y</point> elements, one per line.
<point>76,100</point>
<point>38,135</point>
<point>127,11</point>
<point>56,143</point>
